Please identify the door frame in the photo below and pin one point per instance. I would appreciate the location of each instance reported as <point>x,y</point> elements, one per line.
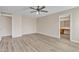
<point>63,15</point>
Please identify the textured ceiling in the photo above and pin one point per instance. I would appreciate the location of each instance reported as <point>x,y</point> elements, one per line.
<point>25,10</point>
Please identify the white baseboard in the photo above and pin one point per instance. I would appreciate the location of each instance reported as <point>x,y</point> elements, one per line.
<point>6,35</point>
<point>15,36</point>
<point>22,35</point>
<point>75,41</point>
<point>28,33</point>
<point>49,35</point>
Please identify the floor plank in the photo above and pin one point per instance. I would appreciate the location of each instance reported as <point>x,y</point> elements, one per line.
<point>37,43</point>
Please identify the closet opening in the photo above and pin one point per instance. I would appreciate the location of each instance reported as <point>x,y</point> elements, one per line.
<point>65,27</point>
<point>5,26</point>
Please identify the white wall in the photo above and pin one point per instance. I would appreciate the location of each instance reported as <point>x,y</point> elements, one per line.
<point>16,26</point>
<point>23,25</point>
<point>28,25</point>
<point>50,24</point>
<point>5,26</point>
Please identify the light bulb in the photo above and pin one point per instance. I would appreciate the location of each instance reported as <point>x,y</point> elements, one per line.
<point>37,12</point>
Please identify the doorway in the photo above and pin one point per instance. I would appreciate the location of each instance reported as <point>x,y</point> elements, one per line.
<point>64,28</point>
<point>6,26</point>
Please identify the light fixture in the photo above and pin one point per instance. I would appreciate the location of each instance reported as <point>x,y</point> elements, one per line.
<point>38,9</point>
<point>37,12</point>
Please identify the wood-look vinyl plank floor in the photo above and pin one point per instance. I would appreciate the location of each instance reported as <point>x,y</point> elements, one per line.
<point>37,43</point>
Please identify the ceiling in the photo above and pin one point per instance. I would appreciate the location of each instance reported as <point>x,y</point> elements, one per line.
<point>25,10</point>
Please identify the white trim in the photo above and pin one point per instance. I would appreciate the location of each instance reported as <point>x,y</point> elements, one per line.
<point>15,36</point>
<point>70,14</point>
<point>0,38</point>
<point>59,26</point>
<point>29,34</point>
<point>49,35</point>
<point>70,27</point>
<point>75,41</point>
<point>5,14</point>
<point>6,35</point>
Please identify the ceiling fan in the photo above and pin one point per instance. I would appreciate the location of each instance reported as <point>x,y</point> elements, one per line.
<point>38,9</point>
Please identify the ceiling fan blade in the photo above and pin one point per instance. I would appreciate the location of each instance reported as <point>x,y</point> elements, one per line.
<point>32,8</point>
<point>42,7</point>
<point>38,7</point>
<point>33,11</point>
<point>44,11</point>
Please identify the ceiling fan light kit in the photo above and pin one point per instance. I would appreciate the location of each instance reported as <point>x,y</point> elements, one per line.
<point>37,13</point>
<point>38,9</point>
